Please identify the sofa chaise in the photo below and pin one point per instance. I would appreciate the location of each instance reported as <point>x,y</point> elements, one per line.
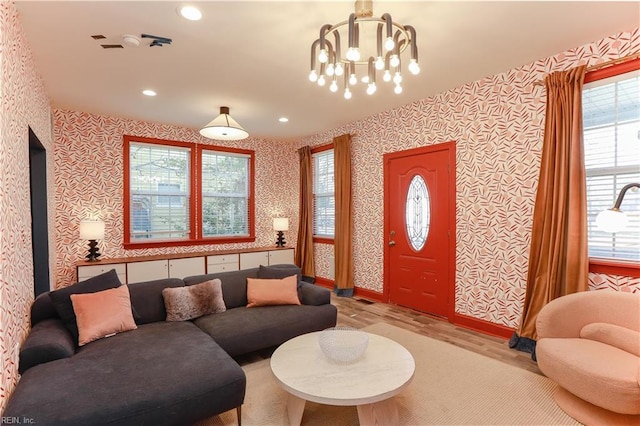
<point>162,372</point>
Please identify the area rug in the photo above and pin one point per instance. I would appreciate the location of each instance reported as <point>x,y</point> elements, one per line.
<point>451,386</point>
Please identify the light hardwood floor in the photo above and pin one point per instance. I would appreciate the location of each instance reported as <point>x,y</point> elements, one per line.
<point>359,313</point>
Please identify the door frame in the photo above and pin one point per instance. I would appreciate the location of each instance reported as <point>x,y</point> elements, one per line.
<point>450,147</point>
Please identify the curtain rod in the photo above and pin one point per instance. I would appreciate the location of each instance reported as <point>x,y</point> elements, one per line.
<point>601,65</point>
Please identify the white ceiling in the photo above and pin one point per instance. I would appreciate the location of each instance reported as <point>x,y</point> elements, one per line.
<point>254,56</point>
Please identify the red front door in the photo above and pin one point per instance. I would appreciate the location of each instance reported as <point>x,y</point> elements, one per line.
<point>419,222</point>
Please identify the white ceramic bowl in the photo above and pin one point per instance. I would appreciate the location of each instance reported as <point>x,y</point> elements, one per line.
<point>343,344</point>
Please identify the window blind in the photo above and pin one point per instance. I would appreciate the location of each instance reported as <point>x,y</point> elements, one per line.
<point>324,202</point>
<point>611,120</point>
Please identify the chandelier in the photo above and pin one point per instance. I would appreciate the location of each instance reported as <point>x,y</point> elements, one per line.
<point>377,52</point>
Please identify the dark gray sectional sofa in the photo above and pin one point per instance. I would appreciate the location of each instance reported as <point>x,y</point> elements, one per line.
<point>162,373</point>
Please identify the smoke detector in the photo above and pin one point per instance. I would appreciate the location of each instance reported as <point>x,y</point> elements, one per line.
<point>131,40</point>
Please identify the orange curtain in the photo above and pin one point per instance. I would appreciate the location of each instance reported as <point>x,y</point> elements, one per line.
<point>344,222</point>
<point>304,252</point>
<point>558,259</point>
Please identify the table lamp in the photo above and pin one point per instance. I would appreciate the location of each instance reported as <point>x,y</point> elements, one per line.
<point>92,230</point>
<point>280,224</point>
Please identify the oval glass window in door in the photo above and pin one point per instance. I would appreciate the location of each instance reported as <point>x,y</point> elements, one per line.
<point>417,212</point>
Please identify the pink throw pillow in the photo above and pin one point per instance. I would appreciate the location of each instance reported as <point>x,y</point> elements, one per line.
<point>262,292</point>
<point>102,314</point>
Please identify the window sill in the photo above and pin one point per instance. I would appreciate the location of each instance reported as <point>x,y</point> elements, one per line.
<point>323,240</point>
<point>182,243</point>
<point>614,267</point>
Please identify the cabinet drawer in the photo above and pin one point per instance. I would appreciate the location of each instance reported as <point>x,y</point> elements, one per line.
<point>180,268</point>
<point>253,260</point>
<point>86,272</point>
<point>222,258</point>
<point>281,256</point>
<point>225,267</point>
<point>147,271</point>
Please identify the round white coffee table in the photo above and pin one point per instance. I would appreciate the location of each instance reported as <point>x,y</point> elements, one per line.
<point>369,383</point>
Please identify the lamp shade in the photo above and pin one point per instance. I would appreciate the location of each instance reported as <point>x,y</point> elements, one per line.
<point>223,127</point>
<point>280,224</point>
<point>611,220</point>
<point>91,230</point>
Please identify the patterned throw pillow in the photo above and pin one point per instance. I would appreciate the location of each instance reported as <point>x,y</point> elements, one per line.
<point>189,302</point>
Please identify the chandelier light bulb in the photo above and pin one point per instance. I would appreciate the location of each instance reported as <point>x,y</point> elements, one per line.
<point>353,79</point>
<point>386,76</point>
<point>334,86</point>
<point>347,93</point>
<point>313,76</point>
<point>321,81</point>
<point>330,70</point>
<point>323,56</point>
<point>379,63</point>
<point>397,78</point>
<point>394,61</point>
<point>353,54</point>
<point>398,89</point>
<point>414,68</point>
<point>339,69</point>
<point>365,79</point>
<point>389,44</point>
<point>371,89</point>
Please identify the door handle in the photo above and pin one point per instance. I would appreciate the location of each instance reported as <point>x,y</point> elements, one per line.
<point>392,243</point>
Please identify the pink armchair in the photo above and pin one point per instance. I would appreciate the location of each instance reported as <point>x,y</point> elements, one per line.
<point>589,344</point>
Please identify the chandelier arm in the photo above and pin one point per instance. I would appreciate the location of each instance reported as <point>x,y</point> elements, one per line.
<point>379,40</point>
<point>314,46</point>
<point>337,37</point>
<point>389,23</point>
<point>372,71</point>
<point>413,41</point>
<point>352,20</point>
<point>323,31</point>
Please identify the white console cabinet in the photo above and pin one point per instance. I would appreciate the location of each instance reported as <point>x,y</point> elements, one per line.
<point>149,268</point>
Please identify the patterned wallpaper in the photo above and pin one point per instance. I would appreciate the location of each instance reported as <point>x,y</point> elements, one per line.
<point>498,125</point>
<point>89,184</point>
<point>24,104</point>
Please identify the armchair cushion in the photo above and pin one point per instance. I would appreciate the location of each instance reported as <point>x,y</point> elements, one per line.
<point>613,335</point>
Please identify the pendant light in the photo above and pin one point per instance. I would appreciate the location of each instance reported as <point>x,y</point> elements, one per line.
<point>224,127</point>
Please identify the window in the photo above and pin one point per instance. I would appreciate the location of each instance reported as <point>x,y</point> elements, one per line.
<point>179,193</point>
<point>611,119</point>
<point>225,193</point>
<point>324,201</point>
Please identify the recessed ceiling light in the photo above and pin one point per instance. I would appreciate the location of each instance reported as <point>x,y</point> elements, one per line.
<point>283,119</point>
<point>148,92</point>
<point>191,13</point>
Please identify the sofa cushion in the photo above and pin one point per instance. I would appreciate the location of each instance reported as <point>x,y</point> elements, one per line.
<point>272,292</point>
<point>614,335</point>
<point>279,271</point>
<point>147,300</point>
<point>62,298</point>
<point>577,365</point>
<point>164,373</point>
<point>185,303</point>
<point>243,330</point>
<point>234,285</point>
<point>48,340</point>
<point>102,314</point>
